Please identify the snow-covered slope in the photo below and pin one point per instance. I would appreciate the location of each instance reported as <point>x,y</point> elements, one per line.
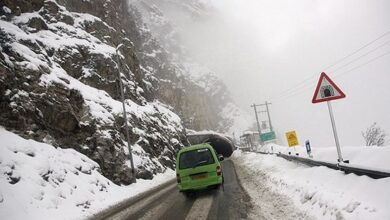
<point>39,181</point>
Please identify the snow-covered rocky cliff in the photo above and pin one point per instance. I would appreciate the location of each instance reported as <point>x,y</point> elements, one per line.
<point>59,82</point>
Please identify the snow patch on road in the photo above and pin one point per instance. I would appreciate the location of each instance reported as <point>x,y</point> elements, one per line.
<point>321,192</point>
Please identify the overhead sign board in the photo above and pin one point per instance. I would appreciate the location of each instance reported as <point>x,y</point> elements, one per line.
<point>326,90</point>
<point>269,136</point>
<point>292,138</point>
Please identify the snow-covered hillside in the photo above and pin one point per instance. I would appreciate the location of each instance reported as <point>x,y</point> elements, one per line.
<point>39,181</point>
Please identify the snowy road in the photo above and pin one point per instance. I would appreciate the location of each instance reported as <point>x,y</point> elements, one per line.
<point>168,203</point>
<point>231,203</point>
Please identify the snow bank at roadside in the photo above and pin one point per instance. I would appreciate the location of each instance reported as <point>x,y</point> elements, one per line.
<point>372,157</point>
<point>39,181</point>
<point>322,192</point>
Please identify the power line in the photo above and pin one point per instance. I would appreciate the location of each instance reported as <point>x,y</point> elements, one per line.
<point>337,75</point>
<point>368,62</point>
<point>304,88</point>
<point>358,58</point>
<point>302,83</point>
<point>335,63</point>
<point>296,90</point>
<point>361,48</point>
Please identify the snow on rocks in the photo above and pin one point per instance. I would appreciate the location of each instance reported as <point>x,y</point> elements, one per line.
<point>322,192</point>
<point>39,181</point>
<point>7,10</point>
<point>67,59</point>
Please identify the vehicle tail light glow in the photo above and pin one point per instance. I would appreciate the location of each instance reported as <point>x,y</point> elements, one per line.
<point>219,171</point>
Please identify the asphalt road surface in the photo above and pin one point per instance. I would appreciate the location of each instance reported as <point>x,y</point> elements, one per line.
<point>229,202</point>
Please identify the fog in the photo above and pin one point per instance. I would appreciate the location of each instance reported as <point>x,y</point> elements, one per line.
<point>275,51</point>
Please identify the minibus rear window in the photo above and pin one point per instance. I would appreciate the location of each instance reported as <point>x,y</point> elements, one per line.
<point>195,158</point>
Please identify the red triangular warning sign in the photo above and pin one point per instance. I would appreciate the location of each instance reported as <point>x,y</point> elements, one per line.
<point>326,90</point>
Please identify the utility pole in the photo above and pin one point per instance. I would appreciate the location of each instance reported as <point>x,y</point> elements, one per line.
<point>268,114</point>
<point>257,118</point>
<point>269,117</point>
<point>268,135</point>
<point>125,115</point>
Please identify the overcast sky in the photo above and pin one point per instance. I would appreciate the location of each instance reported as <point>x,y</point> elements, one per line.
<point>262,48</point>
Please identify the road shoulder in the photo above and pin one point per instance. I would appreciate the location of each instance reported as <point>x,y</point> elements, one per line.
<point>267,204</point>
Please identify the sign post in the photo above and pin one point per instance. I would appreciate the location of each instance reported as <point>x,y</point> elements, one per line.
<point>326,91</point>
<point>336,137</point>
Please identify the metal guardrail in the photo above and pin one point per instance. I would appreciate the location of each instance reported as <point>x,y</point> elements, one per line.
<point>263,152</point>
<point>309,161</point>
<point>346,168</point>
<point>376,174</point>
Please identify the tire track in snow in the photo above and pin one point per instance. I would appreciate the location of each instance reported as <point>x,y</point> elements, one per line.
<point>201,208</point>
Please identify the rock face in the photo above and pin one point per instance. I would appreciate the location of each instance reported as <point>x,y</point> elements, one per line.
<point>59,84</point>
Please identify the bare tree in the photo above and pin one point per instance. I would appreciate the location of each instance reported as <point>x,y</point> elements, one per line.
<point>374,135</point>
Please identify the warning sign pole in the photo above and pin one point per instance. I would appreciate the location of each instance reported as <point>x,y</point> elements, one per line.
<point>336,138</point>
<point>326,91</point>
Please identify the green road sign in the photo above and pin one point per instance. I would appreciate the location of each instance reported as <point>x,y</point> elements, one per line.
<point>267,136</point>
